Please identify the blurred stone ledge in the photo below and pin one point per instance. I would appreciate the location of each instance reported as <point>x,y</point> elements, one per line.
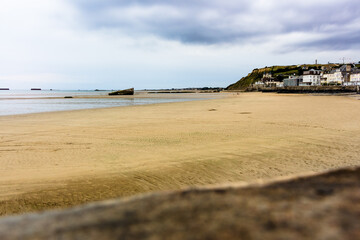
<point>316,206</point>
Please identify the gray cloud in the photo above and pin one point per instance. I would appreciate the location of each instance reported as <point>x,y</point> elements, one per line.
<point>216,21</point>
<point>340,41</point>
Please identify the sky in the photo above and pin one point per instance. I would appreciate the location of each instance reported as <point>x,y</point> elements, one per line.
<point>148,44</point>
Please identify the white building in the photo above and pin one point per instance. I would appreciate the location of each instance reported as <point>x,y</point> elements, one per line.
<point>259,83</point>
<point>311,78</point>
<point>338,76</point>
<point>334,77</point>
<point>273,83</point>
<point>269,81</point>
<point>355,78</point>
<point>324,78</point>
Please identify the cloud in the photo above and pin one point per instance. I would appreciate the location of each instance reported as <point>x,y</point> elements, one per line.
<point>84,44</point>
<point>234,22</point>
<point>202,22</point>
<point>335,37</point>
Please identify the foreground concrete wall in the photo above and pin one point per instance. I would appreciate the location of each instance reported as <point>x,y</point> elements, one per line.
<point>325,206</point>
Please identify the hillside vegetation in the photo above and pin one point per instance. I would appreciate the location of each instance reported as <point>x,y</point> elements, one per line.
<point>279,72</point>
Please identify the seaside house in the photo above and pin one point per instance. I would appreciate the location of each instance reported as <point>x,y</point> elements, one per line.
<point>279,84</point>
<point>267,76</point>
<point>270,81</point>
<point>311,78</point>
<point>355,78</point>
<point>334,77</point>
<point>339,76</point>
<point>259,83</point>
<point>292,81</point>
<point>267,79</point>
<point>324,76</point>
<point>273,83</point>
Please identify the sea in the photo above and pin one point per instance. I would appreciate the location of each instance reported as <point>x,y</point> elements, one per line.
<point>13,102</point>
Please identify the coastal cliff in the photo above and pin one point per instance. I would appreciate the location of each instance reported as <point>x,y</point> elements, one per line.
<point>257,74</point>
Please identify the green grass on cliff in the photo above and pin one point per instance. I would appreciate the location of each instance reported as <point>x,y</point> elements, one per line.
<point>244,82</point>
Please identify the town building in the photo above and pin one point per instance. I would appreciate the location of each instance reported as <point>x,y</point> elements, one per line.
<point>339,76</point>
<point>331,74</point>
<point>269,81</point>
<point>355,78</point>
<point>292,81</point>
<point>311,78</point>
<point>267,76</point>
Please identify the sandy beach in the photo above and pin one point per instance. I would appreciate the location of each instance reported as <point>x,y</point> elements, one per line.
<point>61,159</point>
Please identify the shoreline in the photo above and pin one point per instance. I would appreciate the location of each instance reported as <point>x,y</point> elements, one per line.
<point>171,97</point>
<point>148,95</point>
<point>61,159</point>
<point>138,94</point>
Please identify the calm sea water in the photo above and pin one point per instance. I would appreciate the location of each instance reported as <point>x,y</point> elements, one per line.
<point>22,102</point>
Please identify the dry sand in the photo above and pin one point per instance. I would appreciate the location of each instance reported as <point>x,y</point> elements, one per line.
<point>61,159</point>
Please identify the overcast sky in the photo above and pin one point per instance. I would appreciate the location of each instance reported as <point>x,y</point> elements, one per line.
<point>114,44</point>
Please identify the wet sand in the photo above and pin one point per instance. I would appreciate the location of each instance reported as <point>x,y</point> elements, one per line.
<point>61,159</point>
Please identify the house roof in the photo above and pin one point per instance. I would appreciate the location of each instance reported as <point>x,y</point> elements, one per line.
<point>312,72</point>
